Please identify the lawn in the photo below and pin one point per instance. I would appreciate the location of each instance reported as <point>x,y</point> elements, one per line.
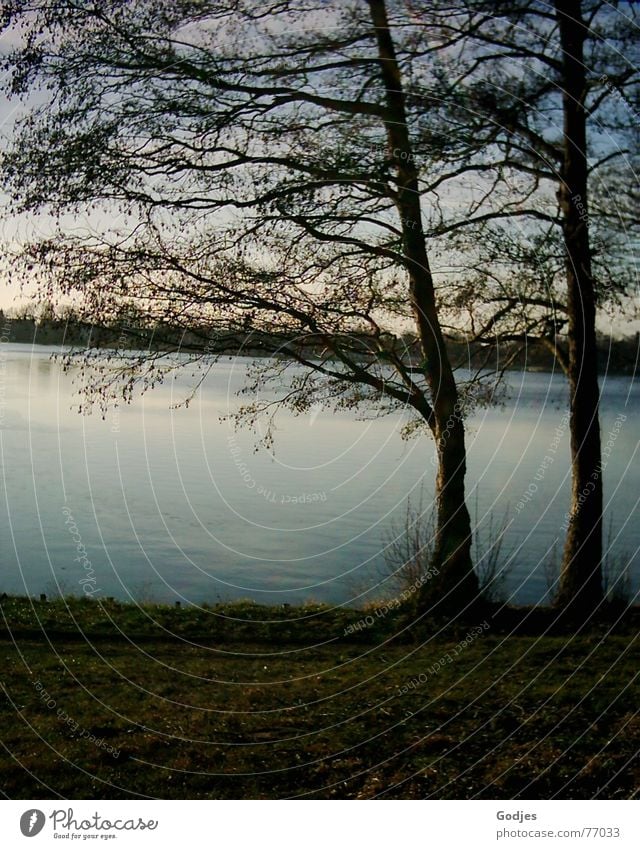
<point>106,700</point>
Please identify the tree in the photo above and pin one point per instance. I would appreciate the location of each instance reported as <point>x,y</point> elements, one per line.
<point>541,98</point>
<point>581,580</point>
<point>249,175</point>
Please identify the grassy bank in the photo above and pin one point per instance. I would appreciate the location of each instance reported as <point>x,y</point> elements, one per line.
<point>241,701</point>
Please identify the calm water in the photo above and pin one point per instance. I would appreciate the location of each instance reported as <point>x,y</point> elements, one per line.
<point>155,503</point>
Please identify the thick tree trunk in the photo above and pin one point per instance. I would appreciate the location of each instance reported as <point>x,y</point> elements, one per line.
<point>456,584</point>
<point>581,576</point>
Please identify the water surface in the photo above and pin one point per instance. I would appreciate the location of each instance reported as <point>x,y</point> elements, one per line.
<point>165,504</point>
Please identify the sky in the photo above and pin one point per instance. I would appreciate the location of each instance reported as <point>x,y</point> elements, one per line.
<point>10,228</point>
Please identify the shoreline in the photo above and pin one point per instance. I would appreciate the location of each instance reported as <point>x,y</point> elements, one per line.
<point>108,619</point>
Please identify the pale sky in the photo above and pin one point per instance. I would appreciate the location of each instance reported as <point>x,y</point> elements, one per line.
<point>29,226</point>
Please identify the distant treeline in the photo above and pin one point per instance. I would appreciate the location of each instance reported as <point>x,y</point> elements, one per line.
<point>615,355</point>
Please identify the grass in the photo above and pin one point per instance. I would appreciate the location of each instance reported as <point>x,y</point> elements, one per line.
<point>107,700</point>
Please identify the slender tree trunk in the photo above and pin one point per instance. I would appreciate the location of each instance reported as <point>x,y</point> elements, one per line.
<point>456,584</point>
<point>581,576</point>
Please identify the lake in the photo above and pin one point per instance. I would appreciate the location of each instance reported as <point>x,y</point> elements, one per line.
<point>164,504</point>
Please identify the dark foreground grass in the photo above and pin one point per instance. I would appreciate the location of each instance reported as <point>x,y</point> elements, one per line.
<point>102,700</point>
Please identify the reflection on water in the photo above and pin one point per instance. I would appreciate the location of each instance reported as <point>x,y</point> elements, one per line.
<point>176,504</point>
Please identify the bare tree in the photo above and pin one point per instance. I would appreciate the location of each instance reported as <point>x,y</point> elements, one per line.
<point>248,177</point>
<point>541,98</point>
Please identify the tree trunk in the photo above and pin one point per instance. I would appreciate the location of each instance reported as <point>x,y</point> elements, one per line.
<point>456,585</point>
<point>581,575</point>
